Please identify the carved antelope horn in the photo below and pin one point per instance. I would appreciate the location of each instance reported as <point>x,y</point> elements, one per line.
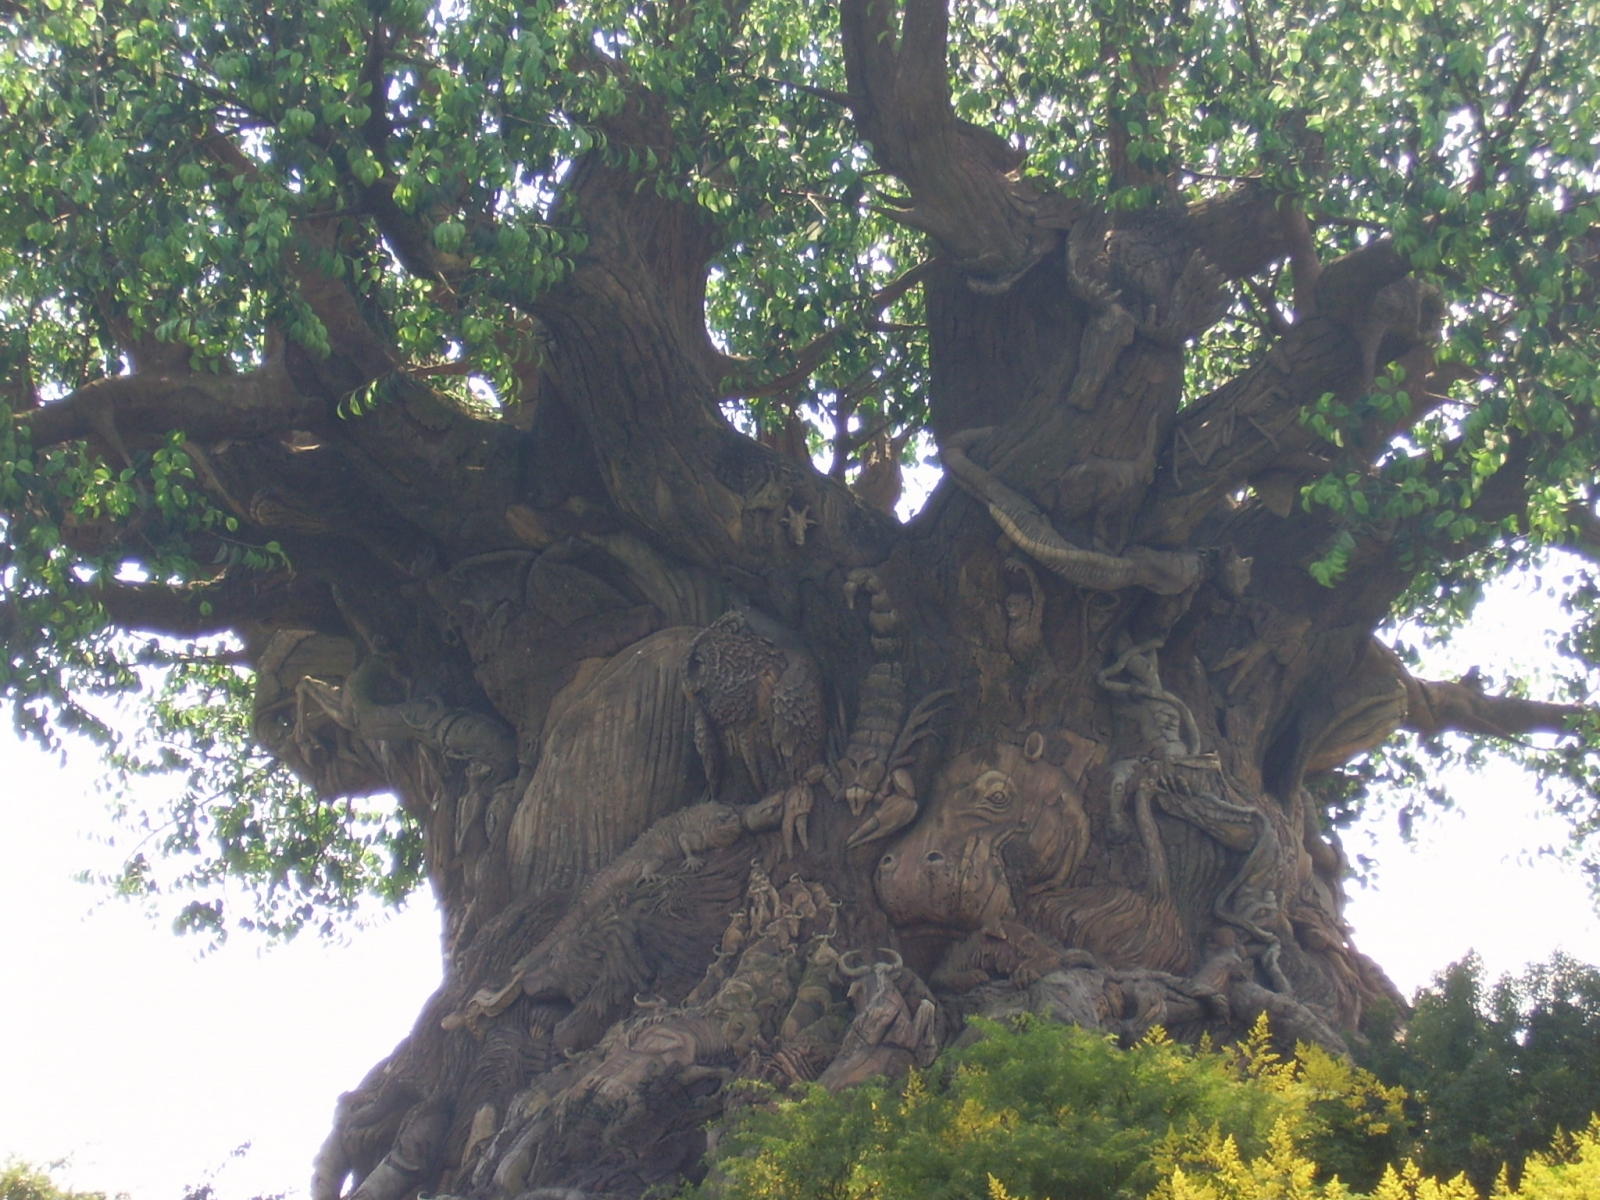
<point>890,963</point>
<point>848,964</point>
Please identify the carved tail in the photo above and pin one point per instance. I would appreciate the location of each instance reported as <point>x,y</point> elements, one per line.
<point>867,759</point>
<point>1164,572</point>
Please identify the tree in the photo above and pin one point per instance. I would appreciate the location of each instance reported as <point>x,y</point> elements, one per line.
<point>1049,1110</point>
<point>21,1181</point>
<point>1497,1071</point>
<point>500,408</point>
<point>1054,1110</point>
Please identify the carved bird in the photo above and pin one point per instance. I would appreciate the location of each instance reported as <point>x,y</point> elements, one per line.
<point>758,704</point>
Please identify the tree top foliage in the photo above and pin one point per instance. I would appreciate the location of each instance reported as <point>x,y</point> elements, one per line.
<point>223,222</point>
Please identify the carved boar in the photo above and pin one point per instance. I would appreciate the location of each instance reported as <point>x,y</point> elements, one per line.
<point>1002,824</point>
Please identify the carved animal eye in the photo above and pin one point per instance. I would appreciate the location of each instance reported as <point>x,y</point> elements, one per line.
<point>998,796</point>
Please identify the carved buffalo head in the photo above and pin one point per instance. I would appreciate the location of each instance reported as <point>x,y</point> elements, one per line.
<point>1002,823</point>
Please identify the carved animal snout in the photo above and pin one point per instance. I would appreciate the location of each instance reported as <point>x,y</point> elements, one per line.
<point>963,889</point>
<point>931,858</point>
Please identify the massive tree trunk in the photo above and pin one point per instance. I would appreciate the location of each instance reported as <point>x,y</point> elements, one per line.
<point>727,774</point>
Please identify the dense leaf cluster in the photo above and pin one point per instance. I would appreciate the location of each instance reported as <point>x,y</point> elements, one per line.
<point>1494,1071</point>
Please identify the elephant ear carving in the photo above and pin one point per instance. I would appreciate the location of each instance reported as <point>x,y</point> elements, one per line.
<point>617,756</point>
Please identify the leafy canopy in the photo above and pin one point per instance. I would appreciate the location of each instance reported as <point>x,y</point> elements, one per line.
<point>174,171</point>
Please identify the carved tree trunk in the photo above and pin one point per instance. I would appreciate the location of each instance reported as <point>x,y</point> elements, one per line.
<point>726,774</point>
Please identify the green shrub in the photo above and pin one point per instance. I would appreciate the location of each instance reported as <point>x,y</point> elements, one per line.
<point>22,1181</point>
<point>1051,1110</point>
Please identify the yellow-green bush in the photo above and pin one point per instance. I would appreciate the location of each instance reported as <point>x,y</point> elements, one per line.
<point>1049,1110</point>
<point>1053,1112</point>
<point>1213,1169</point>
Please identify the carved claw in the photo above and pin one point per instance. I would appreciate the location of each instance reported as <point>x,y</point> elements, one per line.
<point>485,1002</point>
<point>893,813</point>
<point>797,803</point>
<point>859,783</point>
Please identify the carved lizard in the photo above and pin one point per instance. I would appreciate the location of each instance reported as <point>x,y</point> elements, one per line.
<point>1164,572</point>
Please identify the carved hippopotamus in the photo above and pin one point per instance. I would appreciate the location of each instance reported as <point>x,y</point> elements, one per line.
<point>1003,824</point>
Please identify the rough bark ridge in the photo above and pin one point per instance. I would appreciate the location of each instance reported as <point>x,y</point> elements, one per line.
<point>727,775</point>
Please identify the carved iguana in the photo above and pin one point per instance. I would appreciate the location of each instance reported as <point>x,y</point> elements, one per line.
<point>874,771</point>
<point>565,964</point>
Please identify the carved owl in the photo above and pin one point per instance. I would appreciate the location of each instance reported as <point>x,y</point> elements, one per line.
<point>758,705</point>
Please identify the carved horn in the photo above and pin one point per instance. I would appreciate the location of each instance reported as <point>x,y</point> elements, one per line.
<point>849,969</point>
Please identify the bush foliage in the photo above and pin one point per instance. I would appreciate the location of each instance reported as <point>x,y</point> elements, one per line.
<point>1049,1111</point>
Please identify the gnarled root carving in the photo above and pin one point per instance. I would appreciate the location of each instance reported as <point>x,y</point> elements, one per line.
<point>593,958</point>
<point>772,1005</point>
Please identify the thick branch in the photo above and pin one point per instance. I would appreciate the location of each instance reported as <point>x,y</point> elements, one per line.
<point>127,409</point>
<point>229,603</point>
<point>1251,426</point>
<point>1380,696</point>
<point>964,184</point>
<point>360,354</point>
<point>814,352</point>
<point>633,361</point>
<point>1434,707</point>
<point>1240,232</point>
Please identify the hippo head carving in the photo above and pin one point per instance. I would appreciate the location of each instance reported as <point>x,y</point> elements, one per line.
<point>1002,823</point>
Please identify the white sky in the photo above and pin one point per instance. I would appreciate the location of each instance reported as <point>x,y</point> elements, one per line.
<point>147,1067</point>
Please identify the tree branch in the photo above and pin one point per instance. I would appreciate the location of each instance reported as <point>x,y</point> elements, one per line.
<point>1240,232</point>
<point>964,183</point>
<point>1442,706</point>
<point>229,603</point>
<point>814,352</point>
<point>126,409</point>
<point>361,355</point>
<point>1366,314</point>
